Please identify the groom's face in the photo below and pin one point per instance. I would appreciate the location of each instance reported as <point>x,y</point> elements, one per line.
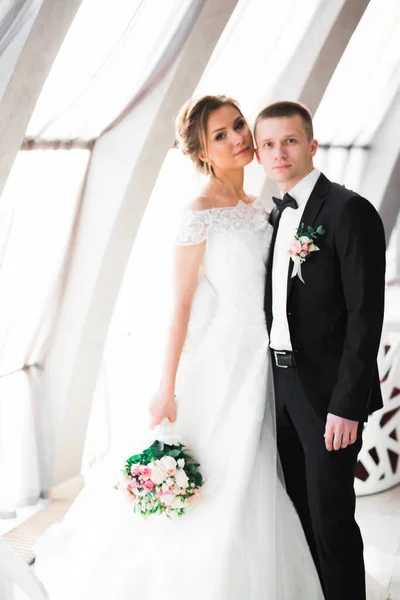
<point>284,150</point>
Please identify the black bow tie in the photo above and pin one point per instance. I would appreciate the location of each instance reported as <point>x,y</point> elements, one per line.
<point>282,203</point>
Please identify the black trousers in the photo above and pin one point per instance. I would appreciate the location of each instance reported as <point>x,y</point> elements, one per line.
<point>321,487</point>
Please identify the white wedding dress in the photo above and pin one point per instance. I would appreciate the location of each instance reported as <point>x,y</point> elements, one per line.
<point>242,540</point>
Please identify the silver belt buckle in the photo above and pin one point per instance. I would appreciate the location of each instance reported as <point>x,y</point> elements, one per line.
<point>277,354</point>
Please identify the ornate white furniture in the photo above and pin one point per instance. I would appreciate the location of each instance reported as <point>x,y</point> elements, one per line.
<point>379,460</point>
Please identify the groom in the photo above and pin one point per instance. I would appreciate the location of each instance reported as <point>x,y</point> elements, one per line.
<point>324,306</point>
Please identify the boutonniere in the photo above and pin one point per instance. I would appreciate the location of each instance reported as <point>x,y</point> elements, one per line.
<point>303,246</point>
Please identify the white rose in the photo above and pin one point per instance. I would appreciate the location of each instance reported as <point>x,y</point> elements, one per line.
<point>158,474</point>
<point>178,503</point>
<point>169,481</point>
<point>165,487</point>
<point>168,499</point>
<point>181,463</point>
<point>305,239</point>
<point>181,478</point>
<point>169,464</point>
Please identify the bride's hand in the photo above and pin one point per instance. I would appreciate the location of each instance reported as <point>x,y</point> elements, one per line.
<point>162,406</point>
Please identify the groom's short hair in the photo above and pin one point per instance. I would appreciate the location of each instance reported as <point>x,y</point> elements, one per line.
<point>286,108</point>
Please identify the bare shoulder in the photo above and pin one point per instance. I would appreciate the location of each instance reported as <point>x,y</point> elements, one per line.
<point>200,203</point>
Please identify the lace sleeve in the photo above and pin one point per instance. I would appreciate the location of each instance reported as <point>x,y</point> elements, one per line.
<point>194,227</point>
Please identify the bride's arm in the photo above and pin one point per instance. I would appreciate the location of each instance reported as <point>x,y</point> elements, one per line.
<point>188,261</point>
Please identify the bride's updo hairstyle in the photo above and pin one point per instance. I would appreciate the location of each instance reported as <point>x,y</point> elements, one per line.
<point>191,127</point>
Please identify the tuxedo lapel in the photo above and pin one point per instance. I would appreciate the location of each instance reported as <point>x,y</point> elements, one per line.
<point>310,214</point>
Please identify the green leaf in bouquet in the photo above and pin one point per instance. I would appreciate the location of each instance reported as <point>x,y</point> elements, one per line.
<point>156,444</point>
<point>174,453</point>
<point>198,478</point>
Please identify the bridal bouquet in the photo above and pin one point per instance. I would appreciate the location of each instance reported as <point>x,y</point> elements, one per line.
<point>162,479</point>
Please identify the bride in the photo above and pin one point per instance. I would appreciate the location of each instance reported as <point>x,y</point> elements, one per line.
<point>242,540</point>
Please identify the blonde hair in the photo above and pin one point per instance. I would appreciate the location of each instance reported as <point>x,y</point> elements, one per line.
<point>191,127</point>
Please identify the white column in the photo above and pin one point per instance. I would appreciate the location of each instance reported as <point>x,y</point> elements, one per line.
<point>380,182</point>
<point>318,53</point>
<point>123,170</point>
<point>30,73</point>
<point>397,233</point>
<point>341,30</point>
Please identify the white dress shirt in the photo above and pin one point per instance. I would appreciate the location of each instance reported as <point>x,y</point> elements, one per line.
<point>290,221</point>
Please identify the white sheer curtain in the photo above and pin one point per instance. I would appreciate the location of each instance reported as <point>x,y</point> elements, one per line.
<point>106,57</point>
<point>16,20</point>
<point>37,215</point>
<point>13,14</point>
<point>85,90</point>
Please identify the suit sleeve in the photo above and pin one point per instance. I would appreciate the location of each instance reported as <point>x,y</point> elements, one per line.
<point>360,246</point>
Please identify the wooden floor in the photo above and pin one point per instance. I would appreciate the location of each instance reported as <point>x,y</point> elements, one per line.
<point>23,535</point>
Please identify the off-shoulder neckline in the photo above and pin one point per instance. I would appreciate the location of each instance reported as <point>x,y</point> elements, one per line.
<point>213,208</point>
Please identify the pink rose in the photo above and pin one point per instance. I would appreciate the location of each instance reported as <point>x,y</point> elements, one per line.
<point>135,470</point>
<point>149,485</point>
<point>305,247</point>
<point>145,473</point>
<point>295,247</point>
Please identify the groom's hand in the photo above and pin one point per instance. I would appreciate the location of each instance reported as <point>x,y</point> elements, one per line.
<point>339,432</point>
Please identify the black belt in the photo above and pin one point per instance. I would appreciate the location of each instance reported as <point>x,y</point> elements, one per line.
<point>284,358</point>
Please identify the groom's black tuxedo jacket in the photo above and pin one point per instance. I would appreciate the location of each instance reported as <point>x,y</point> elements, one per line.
<point>335,318</point>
